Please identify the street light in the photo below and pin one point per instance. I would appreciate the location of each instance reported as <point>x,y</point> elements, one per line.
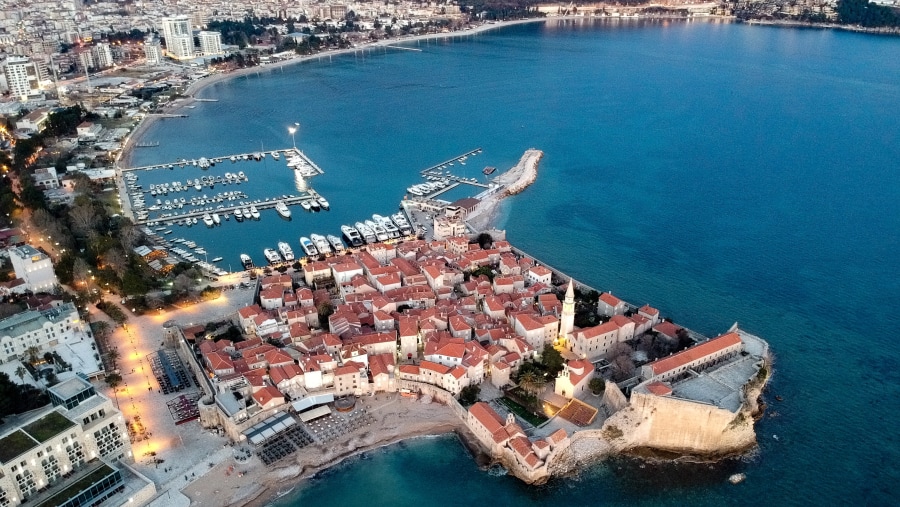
<point>293,130</point>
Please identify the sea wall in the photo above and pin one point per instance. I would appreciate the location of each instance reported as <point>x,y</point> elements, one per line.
<point>664,423</point>
<point>526,170</point>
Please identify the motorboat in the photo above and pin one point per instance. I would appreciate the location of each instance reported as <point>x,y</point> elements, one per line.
<point>378,230</point>
<point>402,223</point>
<point>254,212</point>
<point>272,256</point>
<point>321,243</point>
<point>308,246</point>
<point>322,202</point>
<point>367,233</point>
<point>282,209</point>
<point>238,215</point>
<point>306,205</point>
<point>215,218</point>
<point>286,251</point>
<point>246,261</point>
<point>336,244</point>
<point>207,219</point>
<point>389,226</point>
<point>353,236</point>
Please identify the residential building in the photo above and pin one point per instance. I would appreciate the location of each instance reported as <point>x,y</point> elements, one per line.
<point>22,77</point>
<point>103,57</point>
<point>210,43</point>
<point>34,267</point>
<point>45,178</point>
<point>178,36</point>
<point>152,50</point>
<point>64,450</point>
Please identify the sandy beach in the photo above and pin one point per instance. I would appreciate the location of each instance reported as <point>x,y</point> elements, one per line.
<point>511,182</point>
<point>196,87</point>
<point>396,418</point>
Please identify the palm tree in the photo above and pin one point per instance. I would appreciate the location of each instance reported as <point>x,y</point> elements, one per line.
<point>112,355</point>
<point>21,372</point>
<point>528,381</point>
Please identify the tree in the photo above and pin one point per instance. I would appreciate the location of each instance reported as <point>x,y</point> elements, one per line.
<point>325,310</point>
<point>113,380</point>
<point>84,219</point>
<point>469,395</point>
<point>21,372</point>
<point>532,382</point>
<point>597,385</point>
<point>32,353</point>
<point>552,360</point>
<point>485,240</point>
<point>113,356</point>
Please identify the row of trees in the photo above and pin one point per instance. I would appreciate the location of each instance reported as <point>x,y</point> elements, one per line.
<point>867,14</point>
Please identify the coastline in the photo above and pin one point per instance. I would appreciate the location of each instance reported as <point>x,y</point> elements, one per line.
<point>253,484</point>
<point>133,138</point>
<point>513,181</point>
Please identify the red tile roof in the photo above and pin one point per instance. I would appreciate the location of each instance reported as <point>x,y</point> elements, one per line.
<point>695,353</point>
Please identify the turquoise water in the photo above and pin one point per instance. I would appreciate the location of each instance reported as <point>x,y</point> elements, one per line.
<point>721,172</point>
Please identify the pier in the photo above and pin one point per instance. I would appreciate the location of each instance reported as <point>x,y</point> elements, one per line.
<point>269,203</point>
<point>437,169</point>
<point>240,157</point>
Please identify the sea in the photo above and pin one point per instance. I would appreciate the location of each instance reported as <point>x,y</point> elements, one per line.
<point>720,172</point>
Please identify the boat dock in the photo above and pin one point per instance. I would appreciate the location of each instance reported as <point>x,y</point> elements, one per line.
<point>437,169</point>
<point>173,218</point>
<point>311,168</point>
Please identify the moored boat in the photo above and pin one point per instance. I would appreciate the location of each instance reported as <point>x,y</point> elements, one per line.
<point>335,243</point>
<point>286,251</point>
<point>246,261</point>
<point>282,209</point>
<point>254,212</point>
<point>367,233</point>
<point>207,219</point>
<point>353,236</point>
<point>272,256</point>
<point>321,243</point>
<point>308,246</point>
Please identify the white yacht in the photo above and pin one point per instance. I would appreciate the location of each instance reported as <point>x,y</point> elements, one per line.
<point>367,233</point>
<point>272,256</point>
<point>238,215</point>
<point>335,243</point>
<point>353,236</point>
<point>282,209</point>
<point>286,251</point>
<point>207,220</point>
<point>254,212</point>
<point>322,202</point>
<point>402,223</point>
<point>389,226</point>
<point>275,155</point>
<point>215,218</point>
<point>379,231</point>
<point>308,246</point>
<point>306,205</point>
<point>321,243</point>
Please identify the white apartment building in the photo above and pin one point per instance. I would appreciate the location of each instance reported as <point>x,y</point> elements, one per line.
<point>34,267</point>
<point>22,77</point>
<point>103,55</point>
<point>65,450</point>
<point>178,36</point>
<point>210,43</point>
<point>152,50</point>
<point>43,329</point>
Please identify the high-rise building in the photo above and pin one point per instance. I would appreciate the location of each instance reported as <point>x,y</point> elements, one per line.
<point>178,36</point>
<point>102,55</point>
<point>87,60</point>
<point>210,43</point>
<point>152,50</point>
<point>22,77</point>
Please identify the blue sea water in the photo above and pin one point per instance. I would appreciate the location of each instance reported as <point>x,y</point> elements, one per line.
<point>718,171</point>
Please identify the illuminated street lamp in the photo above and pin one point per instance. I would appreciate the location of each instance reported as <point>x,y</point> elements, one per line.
<point>293,130</point>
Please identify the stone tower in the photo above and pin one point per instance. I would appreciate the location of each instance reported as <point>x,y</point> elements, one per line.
<point>567,321</point>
